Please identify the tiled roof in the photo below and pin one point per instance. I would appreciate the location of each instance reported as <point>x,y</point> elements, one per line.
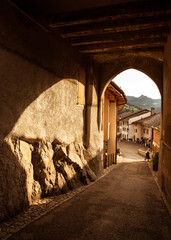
<point>151,121</point>
<point>119,94</point>
<point>128,115</point>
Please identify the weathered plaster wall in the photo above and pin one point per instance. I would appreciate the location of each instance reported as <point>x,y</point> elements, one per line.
<point>94,133</point>
<point>113,122</point>
<point>53,114</point>
<point>42,124</point>
<point>165,146</point>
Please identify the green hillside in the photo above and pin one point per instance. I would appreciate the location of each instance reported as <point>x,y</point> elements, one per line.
<point>129,108</point>
<point>143,102</point>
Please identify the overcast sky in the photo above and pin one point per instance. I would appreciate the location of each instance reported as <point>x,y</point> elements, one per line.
<point>136,83</point>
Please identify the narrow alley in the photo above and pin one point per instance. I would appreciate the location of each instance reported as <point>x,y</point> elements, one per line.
<point>124,204</point>
<point>59,123</point>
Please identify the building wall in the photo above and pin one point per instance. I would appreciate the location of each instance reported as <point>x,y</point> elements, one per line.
<point>112,139</point>
<point>50,140</point>
<point>144,115</point>
<point>156,137</point>
<point>165,147</point>
<point>131,132</point>
<point>147,132</point>
<point>123,129</point>
<point>110,111</point>
<point>156,141</point>
<point>106,118</point>
<point>131,126</point>
<point>138,131</point>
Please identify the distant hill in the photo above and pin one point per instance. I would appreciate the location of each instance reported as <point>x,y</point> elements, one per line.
<point>144,102</point>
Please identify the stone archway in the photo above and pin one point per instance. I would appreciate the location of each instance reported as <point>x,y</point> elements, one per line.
<point>150,66</point>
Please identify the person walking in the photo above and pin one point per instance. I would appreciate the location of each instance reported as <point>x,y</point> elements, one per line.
<point>147,154</point>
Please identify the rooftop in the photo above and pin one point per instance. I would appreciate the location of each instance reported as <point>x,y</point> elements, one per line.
<point>151,121</point>
<point>128,115</point>
<point>119,94</point>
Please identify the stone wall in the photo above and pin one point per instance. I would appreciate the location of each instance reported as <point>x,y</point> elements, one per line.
<point>39,169</point>
<point>42,123</point>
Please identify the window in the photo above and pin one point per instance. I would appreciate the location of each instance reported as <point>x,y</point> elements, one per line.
<point>135,130</point>
<point>81,93</point>
<point>147,131</point>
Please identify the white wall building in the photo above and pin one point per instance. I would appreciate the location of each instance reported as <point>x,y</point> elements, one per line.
<point>126,128</point>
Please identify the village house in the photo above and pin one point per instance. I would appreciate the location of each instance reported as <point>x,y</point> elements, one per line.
<point>156,134</point>
<point>114,100</point>
<point>147,130</point>
<point>125,128</point>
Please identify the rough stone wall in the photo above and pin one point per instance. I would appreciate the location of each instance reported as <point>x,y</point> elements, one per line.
<point>42,126</point>
<point>39,169</point>
<point>165,145</point>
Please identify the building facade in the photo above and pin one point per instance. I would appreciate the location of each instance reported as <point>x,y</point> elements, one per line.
<point>146,130</point>
<point>114,100</point>
<point>126,129</point>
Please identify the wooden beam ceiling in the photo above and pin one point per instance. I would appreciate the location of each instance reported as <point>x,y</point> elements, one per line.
<point>110,13</point>
<point>116,36</point>
<point>119,25</point>
<point>127,27</point>
<point>130,27</point>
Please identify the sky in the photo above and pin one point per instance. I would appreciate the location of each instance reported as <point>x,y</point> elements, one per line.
<point>135,83</point>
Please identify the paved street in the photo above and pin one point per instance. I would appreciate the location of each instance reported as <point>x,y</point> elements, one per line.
<point>123,205</point>
<point>129,151</point>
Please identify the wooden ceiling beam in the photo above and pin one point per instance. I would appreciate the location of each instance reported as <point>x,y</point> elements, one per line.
<point>112,12</point>
<point>124,43</point>
<point>111,37</point>
<point>122,51</point>
<point>121,48</point>
<point>128,24</point>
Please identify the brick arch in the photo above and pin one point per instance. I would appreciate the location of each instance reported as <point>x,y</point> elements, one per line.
<point>151,67</point>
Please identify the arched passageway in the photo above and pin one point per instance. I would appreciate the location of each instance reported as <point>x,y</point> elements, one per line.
<point>149,66</point>
<point>160,75</point>
<point>46,51</point>
<point>135,132</point>
<point>139,121</point>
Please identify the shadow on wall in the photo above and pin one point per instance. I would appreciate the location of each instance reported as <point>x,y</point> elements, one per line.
<point>30,171</point>
<point>21,82</point>
<point>31,61</point>
<point>13,191</point>
<point>37,103</point>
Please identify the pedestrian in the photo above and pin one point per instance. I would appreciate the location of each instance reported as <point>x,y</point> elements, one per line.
<point>147,154</point>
